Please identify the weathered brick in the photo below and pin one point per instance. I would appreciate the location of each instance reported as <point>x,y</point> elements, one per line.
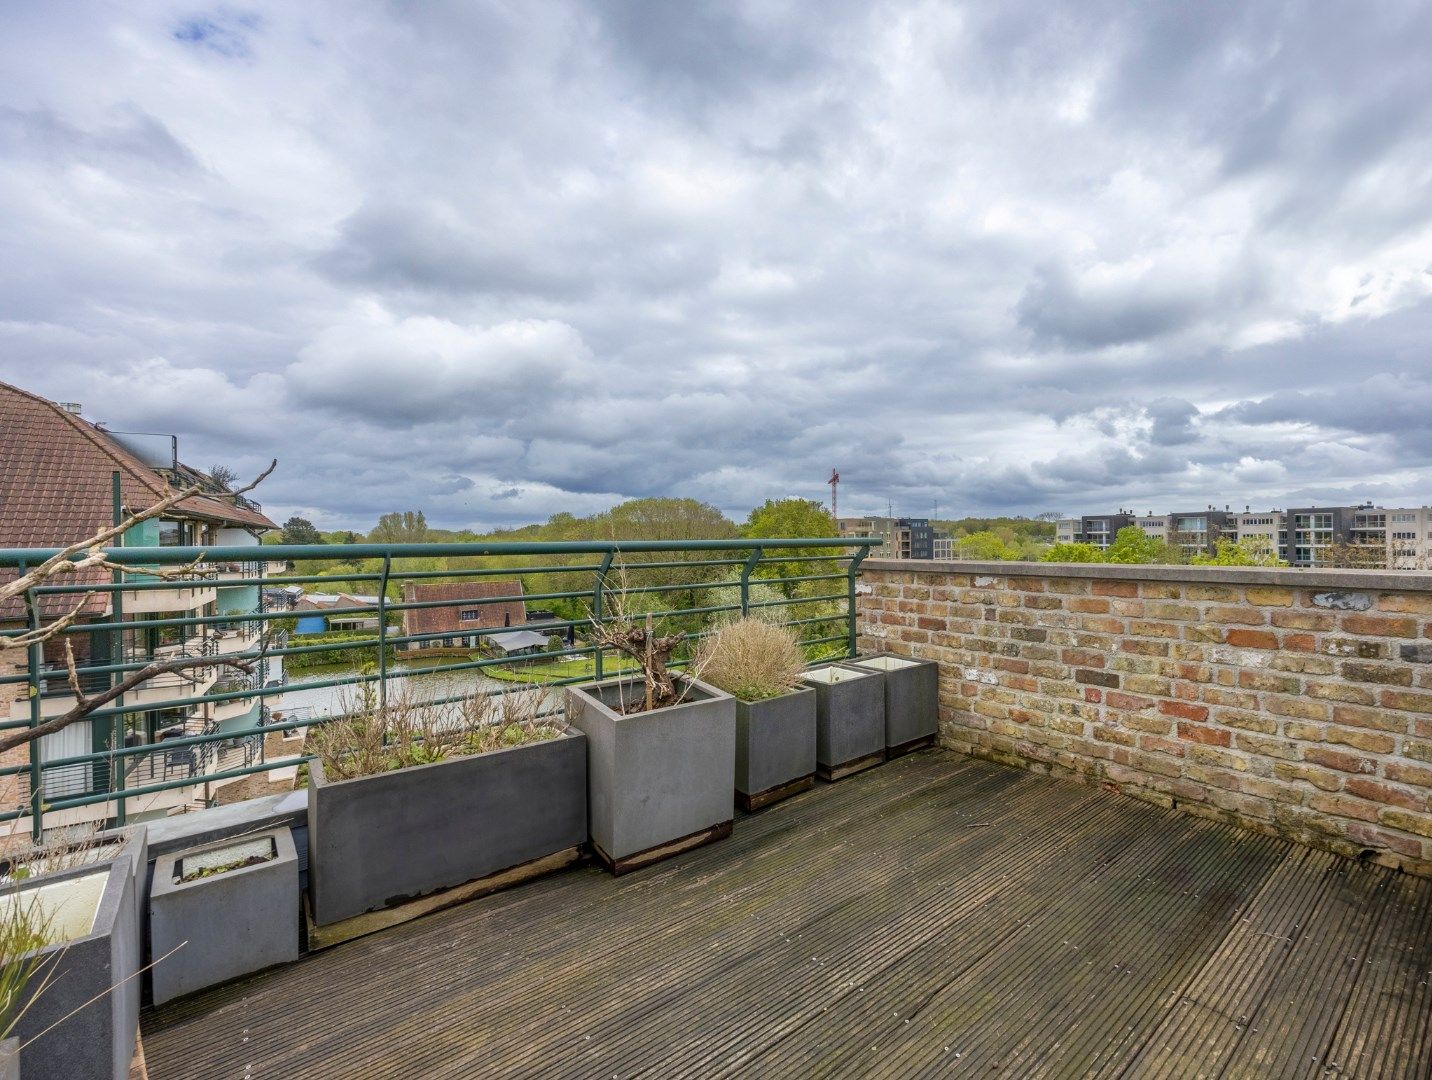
<point>1148,684</point>
<point>1221,593</point>
<point>1377,673</point>
<point>1375,719</point>
<point>1283,749</point>
<point>1410,603</point>
<point>1029,633</point>
<point>1374,742</point>
<point>1131,702</point>
<point>1248,616</point>
<point>1379,626</point>
<point>1325,779</point>
<point>1304,620</point>
<point>1407,821</point>
<point>1300,642</point>
<point>1404,773</point>
<point>1115,588</point>
<point>1388,794</point>
<point>1407,699</point>
<point>1184,710</point>
<point>1087,605</point>
<point>1246,721</point>
<point>1342,601</point>
<point>1302,708</point>
<point>1160,590</point>
<point>1344,806</point>
<point>1269,595</point>
<point>1267,680</point>
<point>1209,736</point>
<point>1419,652</point>
<point>1340,691</point>
<point>1096,678</point>
<point>1340,760</point>
<point>1145,628</point>
<point>1252,639</point>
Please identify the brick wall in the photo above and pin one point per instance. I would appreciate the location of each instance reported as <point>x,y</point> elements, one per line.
<point>1291,701</point>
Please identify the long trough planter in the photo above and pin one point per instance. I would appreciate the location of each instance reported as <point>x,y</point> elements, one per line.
<point>660,781</point>
<point>380,841</point>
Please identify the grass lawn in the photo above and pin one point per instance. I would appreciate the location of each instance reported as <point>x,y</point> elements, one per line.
<point>583,667</point>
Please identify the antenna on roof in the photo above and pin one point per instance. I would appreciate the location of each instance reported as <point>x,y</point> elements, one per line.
<point>834,483</point>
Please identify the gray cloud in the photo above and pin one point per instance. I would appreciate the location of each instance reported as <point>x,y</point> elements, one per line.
<point>497,262</point>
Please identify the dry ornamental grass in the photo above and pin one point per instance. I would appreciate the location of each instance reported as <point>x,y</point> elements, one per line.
<point>752,659</point>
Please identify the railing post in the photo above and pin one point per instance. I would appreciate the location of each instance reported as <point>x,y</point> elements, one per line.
<point>746,581</point>
<point>36,651</point>
<point>601,584</point>
<point>383,633</point>
<point>851,645</point>
<point>116,728</point>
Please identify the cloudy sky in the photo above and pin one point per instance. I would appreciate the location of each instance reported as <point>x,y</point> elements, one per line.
<point>498,260</point>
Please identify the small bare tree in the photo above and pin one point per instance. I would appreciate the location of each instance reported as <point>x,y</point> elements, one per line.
<point>89,554</point>
<point>638,639</point>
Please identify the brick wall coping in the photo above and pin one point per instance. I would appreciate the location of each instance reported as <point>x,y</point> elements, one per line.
<point>1379,580</point>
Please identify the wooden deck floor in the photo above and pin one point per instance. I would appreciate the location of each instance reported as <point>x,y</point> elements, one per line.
<point>933,917</point>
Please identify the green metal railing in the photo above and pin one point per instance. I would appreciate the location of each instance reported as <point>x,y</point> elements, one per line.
<point>694,583</point>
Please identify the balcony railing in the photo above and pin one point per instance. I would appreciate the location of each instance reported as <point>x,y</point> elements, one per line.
<point>808,584</point>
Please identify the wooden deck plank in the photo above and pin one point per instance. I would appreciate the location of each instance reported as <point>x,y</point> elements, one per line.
<point>1035,926</point>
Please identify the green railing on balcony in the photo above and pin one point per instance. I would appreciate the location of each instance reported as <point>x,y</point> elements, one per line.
<point>160,738</point>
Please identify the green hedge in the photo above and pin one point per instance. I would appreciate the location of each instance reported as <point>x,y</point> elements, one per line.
<point>329,657</point>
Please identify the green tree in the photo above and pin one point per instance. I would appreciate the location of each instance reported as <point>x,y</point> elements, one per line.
<point>789,518</point>
<point>1250,551</point>
<point>1133,545</point>
<point>297,530</point>
<point>223,476</point>
<point>1085,553</point>
<point>405,527</point>
<point>988,545</point>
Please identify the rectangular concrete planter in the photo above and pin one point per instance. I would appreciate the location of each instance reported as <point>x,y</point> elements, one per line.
<point>912,700</point>
<point>100,908</point>
<point>850,719</point>
<point>661,781</point>
<point>775,748</point>
<point>378,841</point>
<point>231,923</point>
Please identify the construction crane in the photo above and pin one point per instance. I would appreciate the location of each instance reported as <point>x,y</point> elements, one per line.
<point>834,483</point>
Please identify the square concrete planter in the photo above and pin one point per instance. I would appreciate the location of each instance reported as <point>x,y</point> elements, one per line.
<point>379,841</point>
<point>661,781</point>
<point>96,911</point>
<point>775,748</point>
<point>912,700</point>
<point>850,719</point>
<point>226,924</point>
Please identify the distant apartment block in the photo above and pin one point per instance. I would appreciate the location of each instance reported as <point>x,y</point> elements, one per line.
<point>1395,538</point>
<point>904,538</point>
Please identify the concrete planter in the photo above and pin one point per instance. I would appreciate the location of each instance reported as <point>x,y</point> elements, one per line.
<point>912,700</point>
<point>232,923</point>
<point>10,1059</point>
<point>378,841</point>
<point>661,781</point>
<point>97,911</point>
<point>775,748</point>
<point>850,719</point>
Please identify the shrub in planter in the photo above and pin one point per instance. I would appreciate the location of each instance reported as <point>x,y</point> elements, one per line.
<point>233,905</point>
<point>662,753</point>
<point>417,798</point>
<point>760,664</point>
<point>850,719</point>
<point>912,700</point>
<point>70,939</point>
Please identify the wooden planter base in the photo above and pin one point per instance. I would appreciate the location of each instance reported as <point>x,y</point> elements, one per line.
<point>760,799</point>
<point>910,747</point>
<point>635,861</point>
<point>851,767</point>
<point>321,937</point>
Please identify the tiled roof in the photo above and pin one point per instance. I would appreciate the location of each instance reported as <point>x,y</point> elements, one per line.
<point>55,480</point>
<point>438,620</point>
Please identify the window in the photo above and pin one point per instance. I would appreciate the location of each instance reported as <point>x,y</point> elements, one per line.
<point>470,614</point>
<point>173,533</point>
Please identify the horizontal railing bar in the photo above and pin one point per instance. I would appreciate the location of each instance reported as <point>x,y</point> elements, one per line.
<point>160,556</point>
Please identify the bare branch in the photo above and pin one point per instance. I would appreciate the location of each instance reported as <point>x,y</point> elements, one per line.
<point>86,705</point>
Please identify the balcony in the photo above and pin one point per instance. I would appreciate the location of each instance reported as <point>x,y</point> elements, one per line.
<point>1180,824</point>
<point>937,916</point>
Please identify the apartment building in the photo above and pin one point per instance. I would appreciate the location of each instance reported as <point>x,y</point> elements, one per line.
<point>62,479</point>
<point>904,538</point>
<point>1399,539</point>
